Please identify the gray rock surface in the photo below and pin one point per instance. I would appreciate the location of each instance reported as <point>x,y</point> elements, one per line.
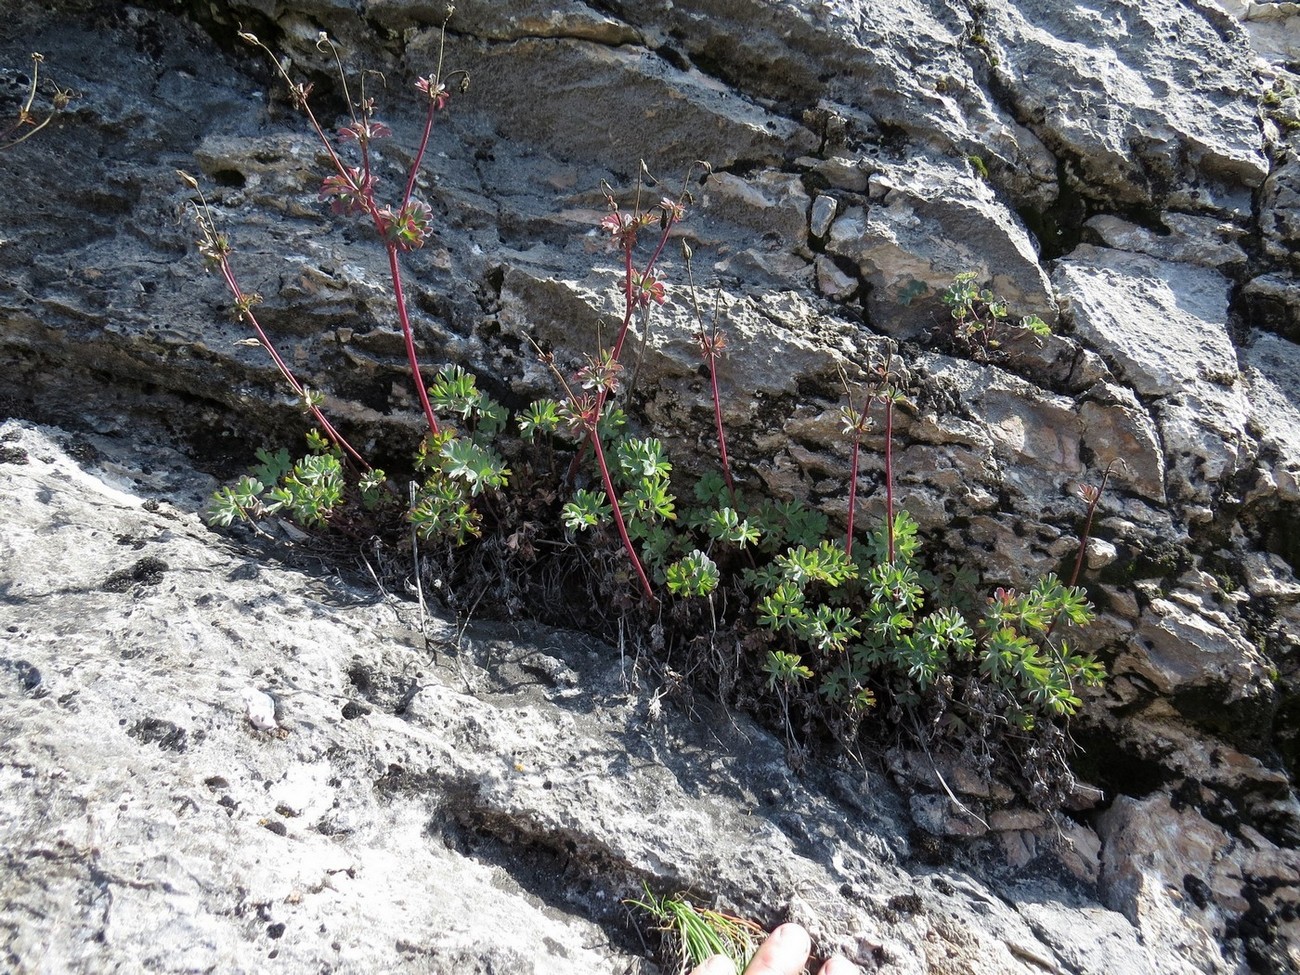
<point>1128,172</point>
<point>417,799</point>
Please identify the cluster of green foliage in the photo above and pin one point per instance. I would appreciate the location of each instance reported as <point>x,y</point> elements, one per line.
<point>457,468</point>
<point>851,626</point>
<point>309,489</point>
<point>848,627</point>
<point>841,627</point>
<point>1281,103</point>
<point>979,316</point>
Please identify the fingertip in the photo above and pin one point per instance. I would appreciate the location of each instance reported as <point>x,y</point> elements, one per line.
<point>840,966</point>
<point>783,953</point>
<point>792,937</point>
<point>717,965</point>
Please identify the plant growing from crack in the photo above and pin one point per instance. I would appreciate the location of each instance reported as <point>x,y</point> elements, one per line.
<point>846,624</point>
<point>852,624</point>
<point>878,622</point>
<point>29,119</point>
<point>311,488</point>
<point>646,497</point>
<point>456,470</point>
<point>712,341</point>
<point>694,934</point>
<point>405,224</point>
<point>979,317</point>
<point>834,621</point>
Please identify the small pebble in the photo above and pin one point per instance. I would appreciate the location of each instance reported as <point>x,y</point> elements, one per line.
<point>259,708</point>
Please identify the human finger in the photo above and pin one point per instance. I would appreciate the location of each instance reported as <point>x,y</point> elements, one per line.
<point>717,965</point>
<point>840,966</point>
<point>783,953</point>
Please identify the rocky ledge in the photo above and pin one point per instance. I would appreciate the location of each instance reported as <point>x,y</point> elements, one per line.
<point>216,761</point>
<point>483,800</point>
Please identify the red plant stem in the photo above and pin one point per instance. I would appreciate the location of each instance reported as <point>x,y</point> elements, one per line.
<point>722,436</point>
<point>339,168</point>
<point>1087,527</point>
<point>618,513</point>
<point>663,240</point>
<point>889,473</point>
<point>365,163</point>
<point>394,269</point>
<point>419,155</point>
<point>629,273</point>
<point>629,309</point>
<point>338,439</point>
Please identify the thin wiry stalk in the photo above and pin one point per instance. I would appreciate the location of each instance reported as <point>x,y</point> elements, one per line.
<point>711,345</point>
<point>618,514</point>
<point>722,434</point>
<point>419,154</point>
<point>630,273</point>
<point>590,421</point>
<point>1093,496</point>
<point>408,335</point>
<point>853,493</point>
<point>25,115</point>
<point>434,95</point>
<point>246,313</point>
<point>244,302</point>
<point>372,209</point>
<point>858,427</point>
<point>889,471</point>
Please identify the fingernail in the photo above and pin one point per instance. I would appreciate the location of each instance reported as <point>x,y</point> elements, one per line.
<point>789,933</point>
<point>840,966</point>
<point>717,965</point>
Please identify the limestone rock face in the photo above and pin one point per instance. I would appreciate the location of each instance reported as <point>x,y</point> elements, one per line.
<point>215,761</point>
<point>1129,173</point>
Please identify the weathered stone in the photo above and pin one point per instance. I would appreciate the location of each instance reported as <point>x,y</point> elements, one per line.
<point>940,816</point>
<point>1190,239</point>
<point>1179,884</point>
<point>1178,649</point>
<point>947,132</point>
<point>1100,554</point>
<point>1152,111</point>
<point>840,172</point>
<point>831,281</point>
<point>1280,209</point>
<point>773,204</point>
<point>1017,819</point>
<point>1158,322</point>
<point>511,21</point>
<point>1273,301</point>
<point>481,803</point>
<point>1270,367</point>
<point>625,90</point>
<point>932,773</point>
<point>1271,26</point>
<point>1118,430</point>
<point>1080,850</point>
<point>930,225</point>
<point>823,212</point>
<point>1164,327</point>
